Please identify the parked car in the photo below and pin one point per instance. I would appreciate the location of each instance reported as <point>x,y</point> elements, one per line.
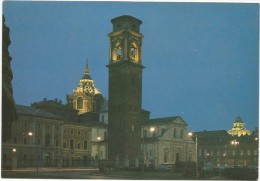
<point>166,167</point>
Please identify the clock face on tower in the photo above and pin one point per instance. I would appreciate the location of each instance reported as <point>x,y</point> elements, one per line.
<point>90,89</point>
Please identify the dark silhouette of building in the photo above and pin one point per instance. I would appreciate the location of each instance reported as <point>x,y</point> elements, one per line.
<point>8,110</point>
<point>218,149</point>
<point>125,114</point>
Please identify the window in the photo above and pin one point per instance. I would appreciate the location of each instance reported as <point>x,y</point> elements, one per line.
<point>25,124</point>
<point>24,140</point>
<point>78,145</point>
<point>174,133</point>
<point>241,152</point>
<point>85,145</point>
<point>57,143</point>
<point>38,141</point>
<point>71,131</point>
<point>255,152</point>
<point>57,128</point>
<point>105,135</point>
<point>102,119</point>
<point>78,132</point>
<point>133,52</point>
<point>64,145</point>
<point>163,130</point>
<point>47,140</point>
<point>181,134</point>
<point>248,152</point>
<point>145,134</point>
<point>15,139</point>
<point>118,52</point>
<point>71,143</point>
<point>79,103</point>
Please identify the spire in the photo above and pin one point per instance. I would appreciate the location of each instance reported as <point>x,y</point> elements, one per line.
<point>86,73</point>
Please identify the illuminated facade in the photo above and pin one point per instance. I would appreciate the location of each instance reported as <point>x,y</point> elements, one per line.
<point>86,97</point>
<point>239,128</point>
<point>125,91</point>
<point>166,140</point>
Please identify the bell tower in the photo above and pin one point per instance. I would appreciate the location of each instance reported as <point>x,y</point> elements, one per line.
<point>125,91</point>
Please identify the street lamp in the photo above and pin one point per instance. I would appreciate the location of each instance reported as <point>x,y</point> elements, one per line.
<point>14,161</point>
<point>234,143</point>
<point>196,152</point>
<point>152,130</point>
<point>30,134</point>
<point>99,139</point>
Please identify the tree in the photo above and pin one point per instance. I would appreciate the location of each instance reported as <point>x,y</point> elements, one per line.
<point>9,113</point>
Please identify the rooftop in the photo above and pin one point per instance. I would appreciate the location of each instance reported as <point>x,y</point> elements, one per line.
<point>165,120</point>
<point>31,111</point>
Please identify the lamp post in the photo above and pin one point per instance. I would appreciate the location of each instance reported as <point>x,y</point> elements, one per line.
<point>98,139</point>
<point>152,130</point>
<point>14,161</point>
<point>30,134</point>
<point>196,153</point>
<point>234,143</point>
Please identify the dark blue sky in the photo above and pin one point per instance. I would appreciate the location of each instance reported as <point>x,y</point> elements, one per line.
<point>201,59</point>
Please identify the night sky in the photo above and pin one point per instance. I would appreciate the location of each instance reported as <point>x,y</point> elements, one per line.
<point>201,59</point>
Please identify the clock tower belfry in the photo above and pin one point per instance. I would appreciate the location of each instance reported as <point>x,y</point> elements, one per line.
<point>125,91</point>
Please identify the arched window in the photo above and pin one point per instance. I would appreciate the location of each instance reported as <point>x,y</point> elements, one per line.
<point>79,103</point>
<point>133,52</point>
<point>118,52</point>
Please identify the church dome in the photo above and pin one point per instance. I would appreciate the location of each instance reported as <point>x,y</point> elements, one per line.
<point>86,76</point>
<point>238,120</point>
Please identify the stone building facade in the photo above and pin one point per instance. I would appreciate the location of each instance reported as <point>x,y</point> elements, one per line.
<point>218,149</point>
<point>36,139</point>
<point>166,140</point>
